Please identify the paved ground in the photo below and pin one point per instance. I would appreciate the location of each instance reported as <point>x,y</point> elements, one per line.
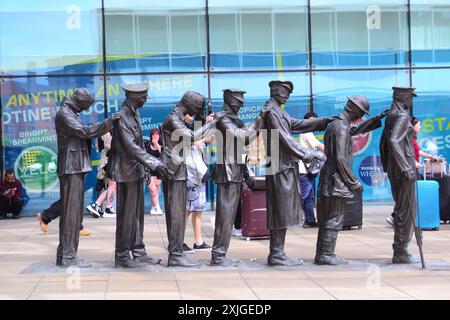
<point>27,268</point>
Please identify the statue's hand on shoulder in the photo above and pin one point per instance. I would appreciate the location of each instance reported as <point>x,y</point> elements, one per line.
<point>314,154</point>
<point>266,109</point>
<point>116,116</point>
<point>383,114</point>
<point>331,119</point>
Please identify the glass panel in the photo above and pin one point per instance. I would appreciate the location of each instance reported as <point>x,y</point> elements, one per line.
<point>256,35</point>
<point>155,36</point>
<point>358,34</point>
<point>50,37</point>
<point>431,106</point>
<point>331,90</point>
<point>430,32</point>
<point>29,136</point>
<point>165,91</point>
<point>257,87</point>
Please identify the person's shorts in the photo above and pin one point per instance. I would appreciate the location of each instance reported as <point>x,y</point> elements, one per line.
<point>195,197</point>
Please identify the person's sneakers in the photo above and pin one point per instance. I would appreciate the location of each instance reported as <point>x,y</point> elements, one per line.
<point>187,249</point>
<point>156,211</point>
<point>236,232</point>
<point>390,221</point>
<point>85,233</point>
<point>15,216</point>
<point>94,210</point>
<point>202,246</point>
<point>309,224</point>
<point>42,224</point>
<point>109,213</point>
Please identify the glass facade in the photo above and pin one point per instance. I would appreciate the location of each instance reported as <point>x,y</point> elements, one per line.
<point>329,49</point>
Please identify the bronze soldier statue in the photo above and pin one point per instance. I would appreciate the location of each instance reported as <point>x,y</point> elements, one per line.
<point>397,156</point>
<point>229,173</point>
<point>74,161</point>
<point>284,204</point>
<point>337,181</point>
<point>175,132</point>
<point>126,161</point>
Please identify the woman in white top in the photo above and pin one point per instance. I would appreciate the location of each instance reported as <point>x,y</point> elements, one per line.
<point>309,141</point>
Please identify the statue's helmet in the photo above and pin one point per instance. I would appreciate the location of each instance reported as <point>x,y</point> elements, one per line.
<point>83,99</point>
<point>193,102</point>
<point>359,101</point>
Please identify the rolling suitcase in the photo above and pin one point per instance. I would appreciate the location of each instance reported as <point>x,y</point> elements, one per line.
<point>253,214</point>
<point>444,198</point>
<point>353,212</point>
<point>427,215</point>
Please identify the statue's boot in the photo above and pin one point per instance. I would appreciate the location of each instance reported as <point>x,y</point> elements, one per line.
<point>75,261</point>
<point>326,244</point>
<point>181,261</point>
<point>224,261</point>
<point>277,256</point>
<point>129,264</point>
<point>402,256</point>
<point>148,259</point>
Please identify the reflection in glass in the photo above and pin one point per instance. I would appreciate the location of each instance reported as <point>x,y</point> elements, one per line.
<point>430,32</point>
<point>155,36</point>
<point>50,37</point>
<point>350,34</point>
<point>256,35</point>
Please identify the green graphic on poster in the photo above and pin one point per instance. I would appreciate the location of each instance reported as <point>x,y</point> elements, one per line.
<point>36,168</point>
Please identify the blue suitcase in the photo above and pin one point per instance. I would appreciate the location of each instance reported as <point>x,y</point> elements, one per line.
<point>427,215</point>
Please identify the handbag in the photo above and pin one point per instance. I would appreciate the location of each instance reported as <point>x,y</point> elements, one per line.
<point>436,168</point>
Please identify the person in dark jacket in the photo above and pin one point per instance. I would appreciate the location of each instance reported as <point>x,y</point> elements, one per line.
<point>176,134</point>
<point>74,160</point>
<point>284,203</point>
<point>397,157</point>
<point>337,181</point>
<point>127,159</point>
<point>11,195</point>
<point>228,172</point>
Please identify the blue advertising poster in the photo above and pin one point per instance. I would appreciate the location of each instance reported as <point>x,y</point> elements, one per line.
<point>331,92</point>
<point>29,136</point>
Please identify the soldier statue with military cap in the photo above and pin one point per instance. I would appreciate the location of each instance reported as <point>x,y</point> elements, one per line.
<point>228,172</point>
<point>74,161</point>
<point>337,181</point>
<point>126,161</point>
<point>284,204</point>
<point>175,133</point>
<point>397,156</point>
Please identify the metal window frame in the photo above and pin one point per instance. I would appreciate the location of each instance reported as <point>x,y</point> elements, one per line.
<point>105,75</point>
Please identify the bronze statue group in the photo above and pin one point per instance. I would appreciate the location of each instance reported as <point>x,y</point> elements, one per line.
<point>128,161</point>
